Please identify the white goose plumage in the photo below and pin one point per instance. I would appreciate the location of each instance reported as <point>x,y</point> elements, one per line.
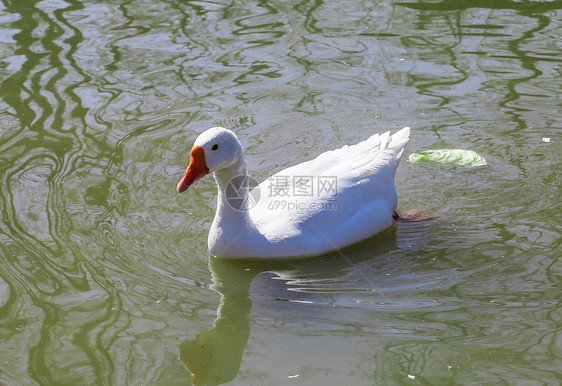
<point>339,198</point>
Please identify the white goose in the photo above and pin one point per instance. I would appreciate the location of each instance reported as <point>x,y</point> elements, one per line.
<point>339,198</point>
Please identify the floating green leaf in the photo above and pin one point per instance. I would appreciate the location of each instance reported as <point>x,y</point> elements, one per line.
<point>449,156</point>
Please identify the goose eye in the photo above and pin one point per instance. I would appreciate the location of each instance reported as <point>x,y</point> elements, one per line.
<point>215,147</point>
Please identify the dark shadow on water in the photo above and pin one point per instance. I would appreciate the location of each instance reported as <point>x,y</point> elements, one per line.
<point>213,357</point>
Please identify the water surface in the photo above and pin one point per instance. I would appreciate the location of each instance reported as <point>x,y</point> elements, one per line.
<point>104,271</point>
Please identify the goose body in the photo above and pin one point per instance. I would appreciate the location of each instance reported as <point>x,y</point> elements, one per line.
<point>339,198</point>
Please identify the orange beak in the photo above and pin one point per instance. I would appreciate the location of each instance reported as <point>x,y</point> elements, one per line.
<point>196,169</point>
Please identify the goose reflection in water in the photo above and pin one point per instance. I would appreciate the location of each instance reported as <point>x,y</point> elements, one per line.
<point>214,356</point>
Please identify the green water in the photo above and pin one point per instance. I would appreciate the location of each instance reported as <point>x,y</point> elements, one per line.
<point>104,271</point>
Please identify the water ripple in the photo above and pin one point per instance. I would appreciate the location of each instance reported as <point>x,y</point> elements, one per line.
<point>104,270</point>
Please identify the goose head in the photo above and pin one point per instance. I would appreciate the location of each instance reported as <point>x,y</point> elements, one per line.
<point>215,149</point>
